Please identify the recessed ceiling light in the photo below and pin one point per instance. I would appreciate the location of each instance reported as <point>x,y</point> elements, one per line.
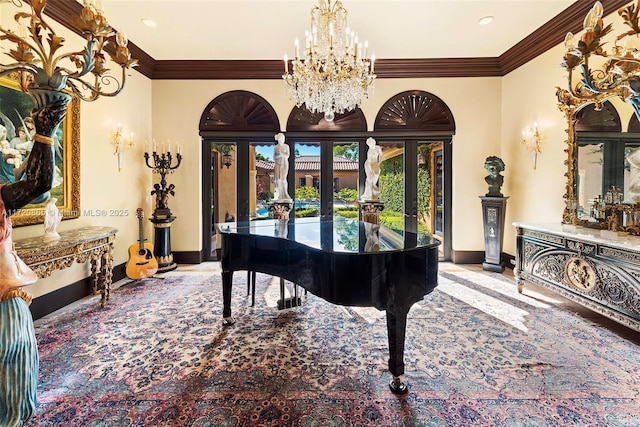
<point>485,20</point>
<point>149,22</point>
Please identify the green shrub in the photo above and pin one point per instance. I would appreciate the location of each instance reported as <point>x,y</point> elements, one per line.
<point>347,195</point>
<point>390,219</point>
<point>392,192</point>
<point>350,212</point>
<point>307,212</point>
<point>307,193</point>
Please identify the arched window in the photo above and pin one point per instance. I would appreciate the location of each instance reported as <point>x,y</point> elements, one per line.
<point>415,110</point>
<point>303,120</point>
<point>419,125</point>
<point>239,110</point>
<point>605,119</point>
<point>229,125</point>
<point>601,152</point>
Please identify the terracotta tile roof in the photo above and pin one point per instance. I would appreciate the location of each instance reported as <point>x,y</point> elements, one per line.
<point>312,163</point>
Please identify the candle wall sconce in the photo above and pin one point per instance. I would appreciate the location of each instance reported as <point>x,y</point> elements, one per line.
<point>122,143</point>
<point>531,141</point>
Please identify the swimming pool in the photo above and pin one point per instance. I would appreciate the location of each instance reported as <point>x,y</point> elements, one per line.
<point>264,211</point>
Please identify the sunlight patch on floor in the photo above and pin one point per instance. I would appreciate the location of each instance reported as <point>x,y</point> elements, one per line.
<point>272,293</point>
<point>506,289</point>
<point>499,309</point>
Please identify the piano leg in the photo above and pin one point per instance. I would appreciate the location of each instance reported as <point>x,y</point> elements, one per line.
<point>396,330</point>
<point>227,281</point>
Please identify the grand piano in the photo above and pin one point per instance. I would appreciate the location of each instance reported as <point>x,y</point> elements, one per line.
<point>345,262</point>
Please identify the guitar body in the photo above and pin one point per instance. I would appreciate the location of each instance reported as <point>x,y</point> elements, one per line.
<point>142,263</point>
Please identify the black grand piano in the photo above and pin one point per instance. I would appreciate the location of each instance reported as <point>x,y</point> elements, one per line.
<point>345,262</point>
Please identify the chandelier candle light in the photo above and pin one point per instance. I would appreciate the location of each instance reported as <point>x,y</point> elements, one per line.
<point>334,75</point>
<point>51,78</point>
<point>163,165</point>
<point>619,74</point>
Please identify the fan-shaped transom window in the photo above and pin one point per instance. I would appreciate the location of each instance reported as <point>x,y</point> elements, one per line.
<point>302,120</point>
<point>417,111</point>
<point>237,111</point>
<point>604,119</point>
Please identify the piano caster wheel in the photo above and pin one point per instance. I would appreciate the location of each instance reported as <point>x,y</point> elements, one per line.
<point>228,321</point>
<point>397,386</point>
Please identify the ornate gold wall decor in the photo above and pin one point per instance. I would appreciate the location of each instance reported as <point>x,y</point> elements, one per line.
<point>88,244</point>
<point>17,105</point>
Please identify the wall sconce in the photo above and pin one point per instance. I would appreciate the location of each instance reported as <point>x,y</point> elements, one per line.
<point>121,144</point>
<point>226,160</point>
<point>531,141</point>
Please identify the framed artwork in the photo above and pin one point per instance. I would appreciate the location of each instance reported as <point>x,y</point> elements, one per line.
<point>15,108</point>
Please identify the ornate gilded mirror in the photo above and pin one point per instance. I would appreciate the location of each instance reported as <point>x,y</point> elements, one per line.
<point>601,103</point>
<point>603,163</point>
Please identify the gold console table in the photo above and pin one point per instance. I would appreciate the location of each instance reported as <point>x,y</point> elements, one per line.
<point>93,244</point>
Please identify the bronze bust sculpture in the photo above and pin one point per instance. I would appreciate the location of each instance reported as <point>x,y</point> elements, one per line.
<point>494,165</point>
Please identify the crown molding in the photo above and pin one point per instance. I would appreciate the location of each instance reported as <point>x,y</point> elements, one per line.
<point>544,38</point>
<point>61,11</point>
<point>553,33</point>
<point>272,69</point>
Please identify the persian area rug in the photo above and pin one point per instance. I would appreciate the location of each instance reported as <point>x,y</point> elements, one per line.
<point>477,354</point>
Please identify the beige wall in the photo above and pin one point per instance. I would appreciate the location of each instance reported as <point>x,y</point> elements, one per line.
<point>489,113</point>
<point>474,102</point>
<point>528,95</point>
<point>102,187</point>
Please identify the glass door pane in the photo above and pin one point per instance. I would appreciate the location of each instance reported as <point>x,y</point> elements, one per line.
<point>307,180</point>
<point>262,176</point>
<point>223,188</point>
<point>391,184</point>
<point>345,179</point>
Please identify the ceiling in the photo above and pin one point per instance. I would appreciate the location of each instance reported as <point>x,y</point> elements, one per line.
<point>266,29</point>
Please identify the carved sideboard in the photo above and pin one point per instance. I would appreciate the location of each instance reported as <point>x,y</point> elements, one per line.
<point>94,244</point>
<point>600,273</point>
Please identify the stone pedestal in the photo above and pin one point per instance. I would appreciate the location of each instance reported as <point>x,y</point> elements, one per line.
<point>162,244</point>
<point>370,210</point>
<point>493,212</point>
<point>280,209</point>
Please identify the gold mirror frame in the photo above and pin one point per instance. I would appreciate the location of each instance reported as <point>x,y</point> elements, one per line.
<point>69,201</point>
<point>570,106</point>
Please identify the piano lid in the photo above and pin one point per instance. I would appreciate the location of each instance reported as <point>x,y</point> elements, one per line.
<point>337,234</point>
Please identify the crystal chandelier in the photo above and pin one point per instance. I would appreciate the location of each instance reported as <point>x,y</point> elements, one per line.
<point>334,75</point>
<point>619,72</point>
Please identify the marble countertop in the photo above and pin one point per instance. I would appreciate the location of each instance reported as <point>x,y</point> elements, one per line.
<point>67,238</point>
<point>591,235</point>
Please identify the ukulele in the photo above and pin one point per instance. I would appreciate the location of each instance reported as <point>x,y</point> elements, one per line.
<point>141,262</point>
